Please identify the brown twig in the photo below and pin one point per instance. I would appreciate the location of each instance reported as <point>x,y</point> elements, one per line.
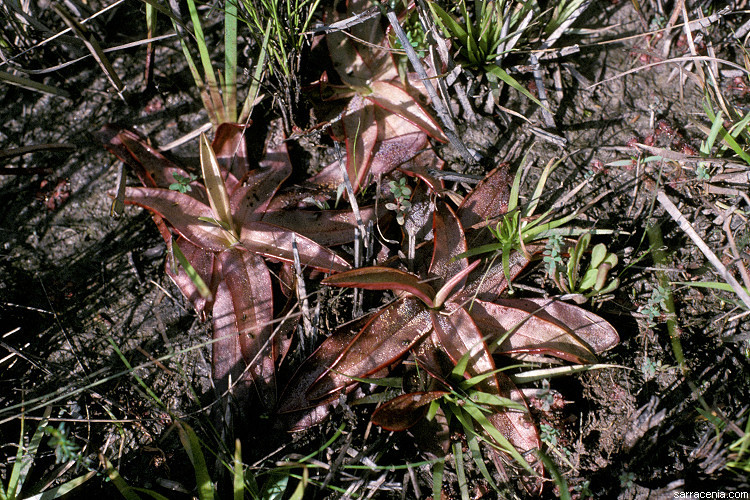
<point>675,213</point>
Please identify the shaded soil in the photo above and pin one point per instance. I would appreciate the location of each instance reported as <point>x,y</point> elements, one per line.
<point>78,285</point>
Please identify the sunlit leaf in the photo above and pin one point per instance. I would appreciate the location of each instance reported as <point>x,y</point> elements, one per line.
<point>404,411</point>
<point>384,278</point>
<point>397,101</point>
<point>385,339</point>
<point>276,242</point>
<point>184,213</point>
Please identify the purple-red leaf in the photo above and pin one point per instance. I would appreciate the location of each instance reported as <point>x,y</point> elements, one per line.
<point>151,167</point>
<point>249,201</point>
<point>249,315</point>
<point>384,278</point>
<point>203,263</point>
<point>449,241</point>
<point>488,199</point>
<point>327,227</point>
<point>456,280</point>
<point>490,284</point>
<point>396,100</point>
<point>557,328</point>
<point>231,150</point>
<point>383,340</point>
<point>361,131</point>
<point>458,335</point>
<point>404,411</point>
<point>295,396</point>
<point>276,242</point>
<point>182,212</point>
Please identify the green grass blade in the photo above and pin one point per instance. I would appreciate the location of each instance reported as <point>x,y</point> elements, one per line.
<point>26,83</point>
<point>515,187</point>
<point>230,60</point>
<point>192,446</point>
<point>562,484</point>
<point>152,494</point>
<point>458,457</point>
<point>560,371</point>
<point>299,491</point>
<point>238,483</point>
<point>450,27</point>
<point>127,364</point>
<point>713,134</point>
<point>437,477</point>
<point>260,66</point>
<point>208,70</point>
<point>93,47</point>
<point>63,489</point>
<point>505,77</point>
<point>540,187</point>
<point>18,475</point>
<point>114,476</point>
<point>197,78</point>
<point>191,272</point>
<point>476,453</point>
<point>500,440</point>
<point>715,285</point>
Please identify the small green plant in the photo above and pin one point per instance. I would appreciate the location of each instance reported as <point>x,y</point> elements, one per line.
<point>183,183</point>
<point>740,451</point>
<point>401,204</point>
<point>656,305</point>
<point>484,36</point>
<point>594,280</point>
<point>626,479</point>
<point>518,227</point>
<point>26,456</point>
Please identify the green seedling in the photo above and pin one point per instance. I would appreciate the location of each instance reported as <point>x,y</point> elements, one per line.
<point>519,228</point>
<point>401,204</point>
<point>25,457</point>
<point>485,37</point>
<point>183,183</point>
<point>594,281</point>
<point>656,305</point>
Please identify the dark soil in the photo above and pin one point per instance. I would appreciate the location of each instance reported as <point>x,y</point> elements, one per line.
<point>77,282</point>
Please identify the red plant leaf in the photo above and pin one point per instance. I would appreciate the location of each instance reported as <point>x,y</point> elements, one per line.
<point>182,212</point>
<point>420,167</point>
<point>488,199</point>
<point>276,242</point>
<point>458,334</point>
<point>246,312</point>
<point>249,201</point>
<point>536,331</point>
<point>295,398</point>
<point>449,241</point>
<point>152,168</point>
<point>488,285</point>
<point>231,150</point>
<point>455,281</point>
<point>384,339</point>
<point>361,132</point>
<point>594,331</point>
<point>203,263</point>
<point>327,227</point>
<point>388,155</point>
<point>404,411</point>
<point>396,100</point>
<point>384,278</point>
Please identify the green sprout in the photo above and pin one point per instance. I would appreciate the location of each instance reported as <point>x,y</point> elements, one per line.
<point>401,203</point>
<point>519,228</point>
<point>594,280</point>
<point>656,305</point>
<point>183,183</point>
